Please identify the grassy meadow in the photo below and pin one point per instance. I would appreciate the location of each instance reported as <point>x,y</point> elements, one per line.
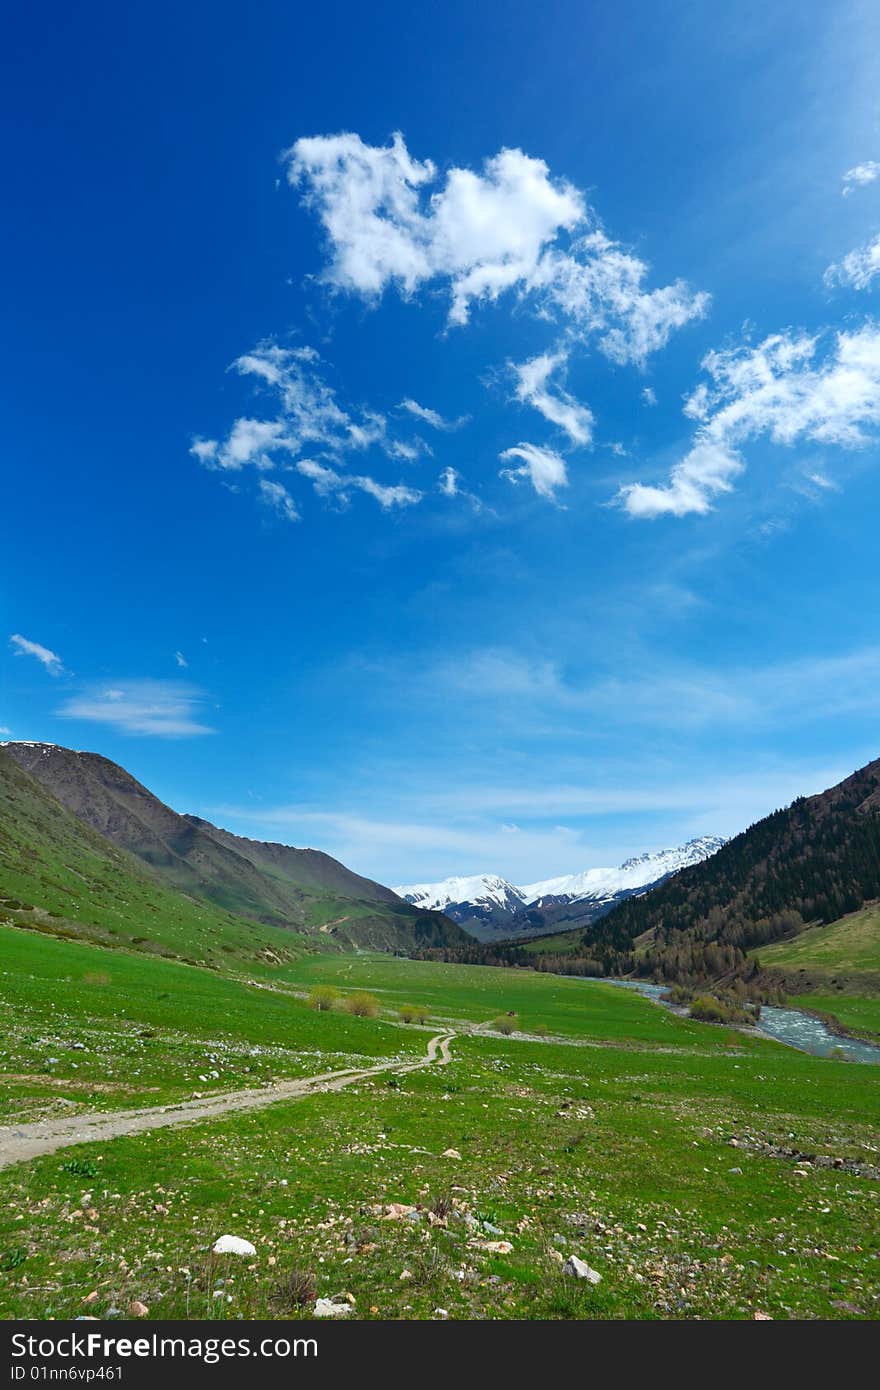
<point>691,1166</point>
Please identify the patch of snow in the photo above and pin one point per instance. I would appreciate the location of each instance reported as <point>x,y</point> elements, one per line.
<point>482,890</point>
<point>596,885</point>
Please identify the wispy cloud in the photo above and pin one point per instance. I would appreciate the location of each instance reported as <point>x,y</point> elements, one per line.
<point>23,646</point>
<point>859,176</point>
<point>531,830</point>
<point>665,696</point>
<point>432,417</point>
<point>326,482</point>
<point>543,468</point>
<point>276,496</point>
<point>181,659</point>
<point>858,269</point>
<point>793,387</point>
<point>162,709</point>
<point>309,414</point>
<point>554,403</point>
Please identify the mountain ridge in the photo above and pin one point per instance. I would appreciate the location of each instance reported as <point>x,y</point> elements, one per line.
<point>488,906</point>
<point>278,885</point>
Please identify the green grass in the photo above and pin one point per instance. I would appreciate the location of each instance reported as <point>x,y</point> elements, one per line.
<point>589,1010</point>
<point>859,1014</point>
<point>150,1030</point>
<point>850,945</point>
<point>611,1142</point>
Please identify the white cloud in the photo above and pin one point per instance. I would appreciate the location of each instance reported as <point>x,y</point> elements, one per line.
<point>164,709</point>
<point>543,468</point>
<point>484,232</point>
<point>649,395</point>
<point>248,442</point>
<point>791,388</point>
<point>821,481</point>
<point>181,659</point>
<point>309,414</point>
<point>511,227</point>
<point>705,471</point>
<point>276,496</point>
<point>327,481</point>
<point>448,483</point>
<point>556,405</point>
<point>859,176</point>
<point>4,730</point>
<point>858,268</point>
<point>597,286</point>
<point>22,646</point>
<point>431,417</point>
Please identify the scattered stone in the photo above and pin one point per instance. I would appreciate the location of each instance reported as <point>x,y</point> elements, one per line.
<point>233,1245</point>
<point>579,1270</point>
<point>441,1313</point>
<point>496,1247</point>
<point>398,1211</point>
<point>758,1316</point>
<point>329,1308</point>
<point>450,1153</point>
<point>138,1309</point>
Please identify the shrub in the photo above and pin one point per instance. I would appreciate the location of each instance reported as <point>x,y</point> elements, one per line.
<point>298,1290</point>
<point>443,1205</point>
<point>505,1025</point>
<point>323,997</point>
<point>413,1013</point>
<point>362,1004</point>
<point>540,1030</point>
<point>81,1168</point>
<point>709,1009</point>
<point>429,1266</point>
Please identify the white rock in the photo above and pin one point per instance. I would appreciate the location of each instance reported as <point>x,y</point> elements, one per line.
<point>326,1308</point>
<point>233,1245</point>
<point>579,1270</point>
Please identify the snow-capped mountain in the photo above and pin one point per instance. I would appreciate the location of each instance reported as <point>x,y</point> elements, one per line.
<point>490,907</point>
<point>641,872</point>
<point>483,898</point>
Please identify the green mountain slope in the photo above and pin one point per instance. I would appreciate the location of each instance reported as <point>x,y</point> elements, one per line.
<point>303,890</point>
<point>60,877</point>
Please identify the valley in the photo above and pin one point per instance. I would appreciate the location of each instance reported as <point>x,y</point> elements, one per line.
<point>409,1136</point>
<point>701,1172</point>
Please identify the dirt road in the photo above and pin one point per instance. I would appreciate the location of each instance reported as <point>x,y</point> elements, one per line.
<point>21,1142</point>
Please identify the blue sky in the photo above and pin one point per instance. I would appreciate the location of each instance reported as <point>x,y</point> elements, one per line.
<point>446,437</point>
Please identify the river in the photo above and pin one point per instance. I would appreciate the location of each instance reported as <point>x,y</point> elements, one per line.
<point>790,1026</point>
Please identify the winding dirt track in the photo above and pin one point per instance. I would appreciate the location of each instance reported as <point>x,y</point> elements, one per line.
<point>21,1142</point>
